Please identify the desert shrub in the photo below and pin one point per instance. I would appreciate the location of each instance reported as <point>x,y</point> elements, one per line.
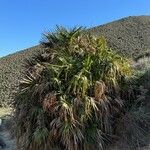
<point>133,129</point>
<point>72,95</point>
<point>142,64</point>
<point>142,67</point>
<point>134,126</point>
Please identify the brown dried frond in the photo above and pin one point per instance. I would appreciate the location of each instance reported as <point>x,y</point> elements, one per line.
<point>37,69</point>
<point>50,101</point>
<point>99,90</point>
<point>83,44</point>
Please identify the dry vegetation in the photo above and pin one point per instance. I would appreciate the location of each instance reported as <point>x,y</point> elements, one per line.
<point>5,111</point>
<point>79,94</point>
<point>45,89</point>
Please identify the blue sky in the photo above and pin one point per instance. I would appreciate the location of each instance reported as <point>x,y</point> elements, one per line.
<point>23,21</point>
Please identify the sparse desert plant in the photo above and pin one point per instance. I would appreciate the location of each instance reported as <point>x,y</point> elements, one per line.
<point>134,126</point>
<point>71,95</point>
<point>133,129</point>
<point>142,64</point>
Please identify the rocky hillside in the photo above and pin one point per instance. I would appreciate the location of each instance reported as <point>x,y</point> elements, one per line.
<point>130,36</point>
<point>11,70</point>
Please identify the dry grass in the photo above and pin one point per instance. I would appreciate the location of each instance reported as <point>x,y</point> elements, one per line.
<point>5,112</point>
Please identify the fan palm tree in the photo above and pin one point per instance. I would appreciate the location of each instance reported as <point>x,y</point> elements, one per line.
<point>69,99</point>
